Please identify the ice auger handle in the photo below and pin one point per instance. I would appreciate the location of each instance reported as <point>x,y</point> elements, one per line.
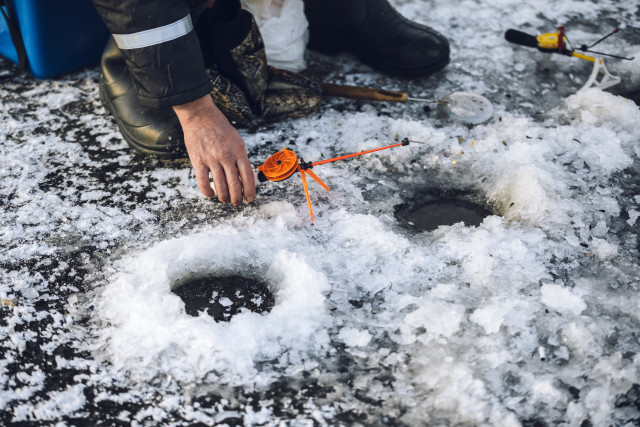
<point>523,39</point>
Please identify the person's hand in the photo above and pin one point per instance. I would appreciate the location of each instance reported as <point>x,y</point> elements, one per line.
<point>215,146</point>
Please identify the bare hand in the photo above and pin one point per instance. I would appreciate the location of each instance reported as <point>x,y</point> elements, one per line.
<point>215,146</point>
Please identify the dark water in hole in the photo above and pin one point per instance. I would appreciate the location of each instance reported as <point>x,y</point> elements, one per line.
<point>222,297</point>
<point>428,212</point>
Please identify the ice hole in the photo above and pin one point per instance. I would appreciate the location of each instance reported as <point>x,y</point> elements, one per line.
<point>221,297</point>
<point>431,208</point>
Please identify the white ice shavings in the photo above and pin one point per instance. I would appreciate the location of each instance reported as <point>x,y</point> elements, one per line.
<point>522,195</point>
<point>152,332</point>
<point>32,382</point>
<point>463,308</point>
<point>94,195</point>
<point>609,123</point>
<point>354,337</point>
<point>490,317</point>
<point>433,317</point>
<point>562,299</point>
<point>600,108</point>
<point>453,389</point>
<point>605,149</point>
<point>603,249</point>
<point>390,260</point>
<point>529,187</point>
<point>616,377</point>
<point>63,95</point>
<point>544,391</point>
<point>225,302</point>
<point>66,401</point>
<point>493,252</point>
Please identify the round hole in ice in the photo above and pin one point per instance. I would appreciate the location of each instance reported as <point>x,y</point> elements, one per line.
<point>150,335</point>
<point>431,208</point>
<point>221,297</point>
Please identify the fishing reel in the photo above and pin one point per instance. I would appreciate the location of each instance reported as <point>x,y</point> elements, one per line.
<point>559,43</point>
<point>284,164</point>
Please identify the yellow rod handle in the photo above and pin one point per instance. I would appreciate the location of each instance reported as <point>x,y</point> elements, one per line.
<point>585,57</point>
<point>358,92</point>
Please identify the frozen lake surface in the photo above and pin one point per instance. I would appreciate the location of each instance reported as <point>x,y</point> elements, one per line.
<point>531,318</point>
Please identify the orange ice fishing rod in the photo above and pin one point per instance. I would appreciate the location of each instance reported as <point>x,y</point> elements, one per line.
<point>285,163</point>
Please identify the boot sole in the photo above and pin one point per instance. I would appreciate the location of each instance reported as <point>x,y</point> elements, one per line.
<point>331,45</point>
<point>143,149</point>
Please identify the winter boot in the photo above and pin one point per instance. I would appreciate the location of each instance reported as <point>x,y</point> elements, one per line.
<point>154,131</point>
<point>377,34</point>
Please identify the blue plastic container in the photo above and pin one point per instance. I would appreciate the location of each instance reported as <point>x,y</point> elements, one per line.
<point>59,35</point>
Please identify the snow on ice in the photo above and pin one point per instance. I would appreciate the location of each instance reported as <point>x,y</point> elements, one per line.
<point>531,318</point>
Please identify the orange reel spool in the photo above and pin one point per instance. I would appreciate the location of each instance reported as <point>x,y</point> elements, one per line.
<point>280,166</point>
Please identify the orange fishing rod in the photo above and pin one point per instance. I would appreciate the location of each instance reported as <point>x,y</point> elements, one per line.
<point>283,164</point>
<point>335,159</point>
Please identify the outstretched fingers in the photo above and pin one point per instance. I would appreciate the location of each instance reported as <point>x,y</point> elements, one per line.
<point>231,183</point>
<point>248,180</point>
<point>234,184</point>
<point>220,182</point>
<point>202,177</point>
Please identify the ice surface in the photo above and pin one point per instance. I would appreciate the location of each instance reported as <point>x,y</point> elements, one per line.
<point>561,299</point>
<point>372,324</point>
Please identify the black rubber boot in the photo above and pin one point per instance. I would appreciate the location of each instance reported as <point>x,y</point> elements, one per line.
<point>152,131</point>
<point>377,34</point>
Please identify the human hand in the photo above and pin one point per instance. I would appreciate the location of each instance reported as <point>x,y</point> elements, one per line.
<point>215,146</point>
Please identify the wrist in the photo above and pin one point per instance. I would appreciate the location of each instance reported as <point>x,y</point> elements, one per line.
<point>195,110</point>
